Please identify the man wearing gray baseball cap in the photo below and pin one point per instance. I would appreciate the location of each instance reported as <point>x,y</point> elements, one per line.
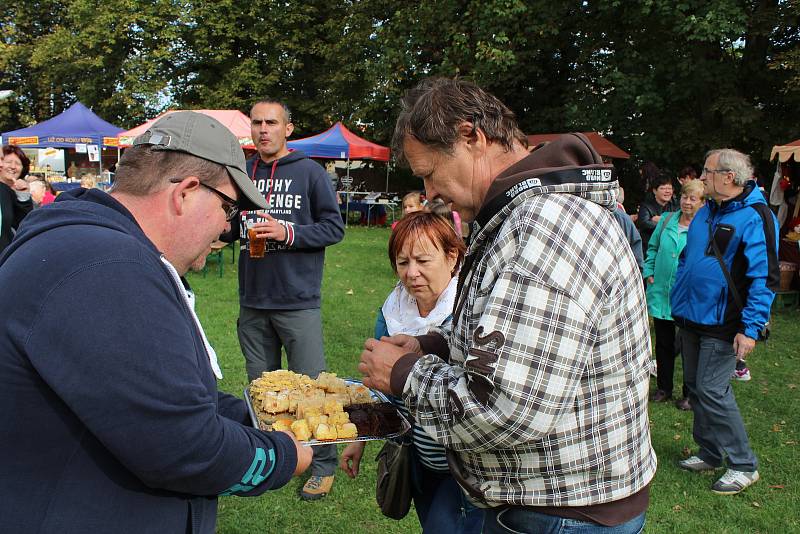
<point>118,423</point>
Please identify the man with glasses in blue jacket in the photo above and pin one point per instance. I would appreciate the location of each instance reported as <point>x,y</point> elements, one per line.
<point>726,280</point>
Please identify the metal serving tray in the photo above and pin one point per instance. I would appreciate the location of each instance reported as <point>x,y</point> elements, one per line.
<point>405,426</point>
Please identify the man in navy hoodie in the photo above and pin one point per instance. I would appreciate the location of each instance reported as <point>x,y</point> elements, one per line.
<point>279,294</point>
<point>112,420</point>
<point>726,280</point>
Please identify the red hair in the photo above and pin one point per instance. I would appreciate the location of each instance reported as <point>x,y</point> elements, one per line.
<point>423,224</point>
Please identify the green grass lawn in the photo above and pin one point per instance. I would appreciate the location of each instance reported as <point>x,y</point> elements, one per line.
<point>357,279</point>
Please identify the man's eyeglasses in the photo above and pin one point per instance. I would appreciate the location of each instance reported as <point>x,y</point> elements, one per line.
<point>229,206</point>
<point>714,171</point>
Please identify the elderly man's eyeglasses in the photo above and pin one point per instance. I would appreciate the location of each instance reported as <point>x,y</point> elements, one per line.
<point>229,205</point>
<point>714,171</point>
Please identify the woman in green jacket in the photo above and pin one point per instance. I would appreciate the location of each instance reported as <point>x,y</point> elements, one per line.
<point>663,251</point>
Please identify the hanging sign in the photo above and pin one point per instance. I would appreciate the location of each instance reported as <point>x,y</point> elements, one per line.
<point>94,153</point>
<point>33,140</point>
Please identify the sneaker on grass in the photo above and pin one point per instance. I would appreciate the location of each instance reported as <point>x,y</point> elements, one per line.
<point>742,375</point>
<point>695,464</point>
<point>733,482</point>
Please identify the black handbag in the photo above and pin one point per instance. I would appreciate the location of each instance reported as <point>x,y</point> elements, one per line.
<point>393,490</point>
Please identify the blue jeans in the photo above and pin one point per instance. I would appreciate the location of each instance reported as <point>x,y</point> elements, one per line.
<point>442,508</point>
<point>718,426</point>
<point>515,520</point>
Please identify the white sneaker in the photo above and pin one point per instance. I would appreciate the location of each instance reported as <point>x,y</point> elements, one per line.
<point>733,482</point>
<point>741,374</point>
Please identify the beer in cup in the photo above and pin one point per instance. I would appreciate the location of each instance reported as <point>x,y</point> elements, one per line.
<point>258,245</point>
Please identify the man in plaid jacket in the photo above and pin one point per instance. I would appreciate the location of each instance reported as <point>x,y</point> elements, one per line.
<point>539,388</point>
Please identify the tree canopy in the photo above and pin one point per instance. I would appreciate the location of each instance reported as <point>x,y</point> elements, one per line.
<point>664,79</point>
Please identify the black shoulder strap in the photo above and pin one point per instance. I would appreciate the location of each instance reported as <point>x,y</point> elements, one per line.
<point>736,297</point>
<point>769,236</point>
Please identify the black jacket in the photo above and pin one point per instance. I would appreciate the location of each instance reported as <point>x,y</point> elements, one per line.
<point>13,210</point>
<point>648,209</point>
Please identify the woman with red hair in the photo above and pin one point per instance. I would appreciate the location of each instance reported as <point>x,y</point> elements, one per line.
<point>426,254</point>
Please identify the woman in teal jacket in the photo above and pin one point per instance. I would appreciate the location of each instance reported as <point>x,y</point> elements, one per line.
<point>663,250</point>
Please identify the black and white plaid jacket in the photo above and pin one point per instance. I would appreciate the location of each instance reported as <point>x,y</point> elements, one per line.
<point>544,398</point>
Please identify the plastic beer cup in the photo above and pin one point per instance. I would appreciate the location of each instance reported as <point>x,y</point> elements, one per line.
<point>258,245</point>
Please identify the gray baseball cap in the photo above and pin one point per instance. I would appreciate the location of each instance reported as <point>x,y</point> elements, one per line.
<point>205,137</point>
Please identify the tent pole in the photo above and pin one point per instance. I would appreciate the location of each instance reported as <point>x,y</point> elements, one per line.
<point>387,176</point>
<point>347,196</point>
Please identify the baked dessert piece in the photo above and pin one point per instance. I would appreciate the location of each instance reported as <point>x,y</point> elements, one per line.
<point>313,392</point>
<point>275,402</point>
<point>309,407</point>
<point>300,430</point>
<point>359,393</point>
<point>295,396</point>
<point>347,431</point>
<point>331,383</point>
<point>375,419</point>
<point>338,418</point>
<point>343,398</point>
<point>314,420</point>
<point>282,424</point>
<point>332,406</point>
<point>325,432</point>
<point>325,379</point>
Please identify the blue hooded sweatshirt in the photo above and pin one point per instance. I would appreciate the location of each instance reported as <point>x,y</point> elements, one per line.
<point>746,233</point>
<point>111,418</point>
<point>300,195</point>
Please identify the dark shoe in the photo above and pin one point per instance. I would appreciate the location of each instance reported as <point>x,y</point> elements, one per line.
<point>661,396</point>
<point>683,404</point>
<point>695,464</point>
<point>316,487</point>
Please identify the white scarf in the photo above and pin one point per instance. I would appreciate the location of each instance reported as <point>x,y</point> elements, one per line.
<point>212,355</point>
<point>402,315</point>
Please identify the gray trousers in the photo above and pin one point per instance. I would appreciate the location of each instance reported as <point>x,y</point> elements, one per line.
<point>718,426</point>
<point>262,334</point>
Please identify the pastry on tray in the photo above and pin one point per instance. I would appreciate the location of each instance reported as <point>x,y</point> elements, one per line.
<point>319,408</point>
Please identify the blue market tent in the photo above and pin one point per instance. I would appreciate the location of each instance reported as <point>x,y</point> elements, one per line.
<point>338,142</point>
<point>77,124</point>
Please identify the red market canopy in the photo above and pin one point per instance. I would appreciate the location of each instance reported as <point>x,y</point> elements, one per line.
<point>340,143</point>
<point>236,121</point>
<point>786,152</point>
<point>603,146</point>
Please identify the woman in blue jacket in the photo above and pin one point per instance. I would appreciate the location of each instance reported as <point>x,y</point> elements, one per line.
<point>663,251</point>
